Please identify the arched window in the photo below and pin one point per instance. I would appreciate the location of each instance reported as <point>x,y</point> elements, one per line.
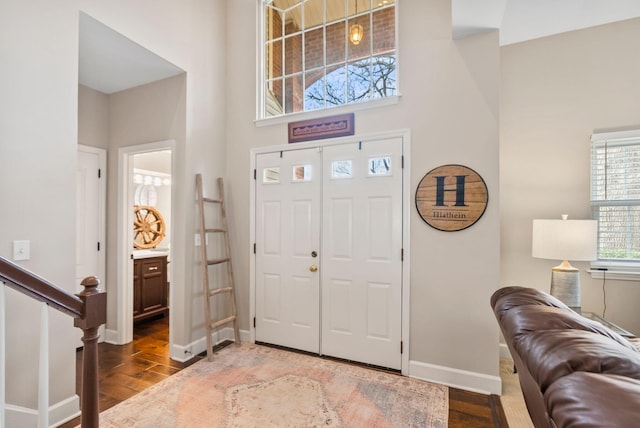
<point>324,53</point>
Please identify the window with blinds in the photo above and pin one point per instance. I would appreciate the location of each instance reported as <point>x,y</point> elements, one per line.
<point>615,194</point>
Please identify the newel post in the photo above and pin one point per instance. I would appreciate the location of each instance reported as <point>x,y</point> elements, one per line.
<point>94,315</point>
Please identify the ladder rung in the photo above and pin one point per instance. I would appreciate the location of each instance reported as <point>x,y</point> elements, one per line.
<point>215,230</point>
<point>220,290</point>
<point>223,321</point>
<point>215,201</point>
<point>218,261</point>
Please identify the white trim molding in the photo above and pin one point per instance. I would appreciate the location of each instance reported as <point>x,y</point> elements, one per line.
<point>456,378</point>
<point>504,351</point>
<point>185,353</point>
<point>124,262</point>
<point>625,271</point>
<point>59,413</point>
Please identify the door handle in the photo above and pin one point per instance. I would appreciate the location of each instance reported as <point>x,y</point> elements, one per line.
<point>313,268</point>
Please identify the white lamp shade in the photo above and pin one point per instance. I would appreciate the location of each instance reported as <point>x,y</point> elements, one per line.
<point>565,239</point>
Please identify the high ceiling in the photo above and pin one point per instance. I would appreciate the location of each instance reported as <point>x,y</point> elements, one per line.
<point>109,62</point>
<point>521,20</point>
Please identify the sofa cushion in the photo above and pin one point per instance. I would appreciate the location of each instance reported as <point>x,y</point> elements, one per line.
<point>524,319</point>
<point>584,399</point>
<point>551,354</point>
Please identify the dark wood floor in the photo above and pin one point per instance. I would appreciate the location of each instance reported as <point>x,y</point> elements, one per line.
<point>128,369</point>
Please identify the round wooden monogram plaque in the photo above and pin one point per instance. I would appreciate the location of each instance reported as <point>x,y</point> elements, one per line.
<point>451,197</point>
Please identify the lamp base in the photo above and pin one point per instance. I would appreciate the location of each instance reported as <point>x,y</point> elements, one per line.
<point>565,285</point>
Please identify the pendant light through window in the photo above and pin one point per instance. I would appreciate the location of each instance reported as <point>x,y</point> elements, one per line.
<point>356,31</point>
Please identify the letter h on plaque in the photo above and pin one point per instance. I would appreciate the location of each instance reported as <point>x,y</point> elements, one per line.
<point>459,189</point>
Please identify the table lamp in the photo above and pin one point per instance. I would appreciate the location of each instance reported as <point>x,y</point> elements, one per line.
<point>565,240</point>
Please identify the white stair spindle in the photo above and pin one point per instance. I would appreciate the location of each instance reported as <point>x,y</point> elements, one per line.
<point>43,374</point>
<point>2,355</point>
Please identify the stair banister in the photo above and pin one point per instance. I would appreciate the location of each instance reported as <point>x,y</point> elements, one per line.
<point>89,310</point>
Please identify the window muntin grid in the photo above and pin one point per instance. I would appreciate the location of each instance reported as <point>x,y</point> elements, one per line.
<point>309,62</point>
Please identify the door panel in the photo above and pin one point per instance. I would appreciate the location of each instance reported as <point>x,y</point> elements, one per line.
<point>90,220</point>
<point>287,232</point>
<point>88,204</point>
<point>362,243</point>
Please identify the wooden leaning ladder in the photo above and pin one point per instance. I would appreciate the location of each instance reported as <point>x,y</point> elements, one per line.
<point>208,290</point>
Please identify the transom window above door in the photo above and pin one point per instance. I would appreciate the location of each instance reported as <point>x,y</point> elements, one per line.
<point>318,54</point>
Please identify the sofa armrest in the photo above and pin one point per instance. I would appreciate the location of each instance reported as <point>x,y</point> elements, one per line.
<point>584,399</point>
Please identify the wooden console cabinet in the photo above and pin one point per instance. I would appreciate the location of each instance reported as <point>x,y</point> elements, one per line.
<point>149,287</point>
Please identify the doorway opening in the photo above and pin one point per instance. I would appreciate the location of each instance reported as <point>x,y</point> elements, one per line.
<point>111,64</point>
<point>145,200</point>
<point>335,280</point>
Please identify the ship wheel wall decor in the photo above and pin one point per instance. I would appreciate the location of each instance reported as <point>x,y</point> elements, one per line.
<point>148,227</point>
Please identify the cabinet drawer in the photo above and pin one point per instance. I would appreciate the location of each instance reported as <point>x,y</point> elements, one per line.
<point>153,266</point>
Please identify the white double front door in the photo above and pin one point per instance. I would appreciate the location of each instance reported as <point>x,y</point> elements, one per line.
<point>329,250</point>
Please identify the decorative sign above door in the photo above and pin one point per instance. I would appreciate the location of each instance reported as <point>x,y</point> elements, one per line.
<point>326,127</point>
<point>451,197</point>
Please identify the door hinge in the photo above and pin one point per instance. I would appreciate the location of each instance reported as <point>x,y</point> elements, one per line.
<point>401,346</point>
<point>98,246</point>
<point>402,161</point>
<point>254,248</point>
<point>401,254</point>
<point>254,322</point>
<point>99,173</point>
<point>255,174</point>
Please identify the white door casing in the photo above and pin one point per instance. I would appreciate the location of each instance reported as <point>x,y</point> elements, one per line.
<point>360,268</point>
<point>287,287</point>
<point>123,322</point>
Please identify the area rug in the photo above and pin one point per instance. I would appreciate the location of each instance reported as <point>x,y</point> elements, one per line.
<point>260,386</point>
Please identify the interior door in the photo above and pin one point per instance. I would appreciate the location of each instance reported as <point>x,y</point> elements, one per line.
<point>362,252</point>
<point>288,188</point>
<point>90,219</point>
<point>90,201</point>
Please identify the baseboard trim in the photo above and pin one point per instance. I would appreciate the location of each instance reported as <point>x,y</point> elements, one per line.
<point>504,351</point>
<point>18,416</point>
<point>185,353</point>
<point>64,410</point>
<point>59,413</point>
<point>456,378</point>
<point>111,336</point>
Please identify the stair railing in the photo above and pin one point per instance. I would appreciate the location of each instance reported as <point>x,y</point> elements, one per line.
<point>89,311</point>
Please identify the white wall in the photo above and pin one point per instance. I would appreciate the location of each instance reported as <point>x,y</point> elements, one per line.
<point>144,114</point>
<point>191,35</point>
<point>38,137</point>
<point>93,117</point>
<point>556,91</point>
<point>38,143</point>
<point>450,105</point>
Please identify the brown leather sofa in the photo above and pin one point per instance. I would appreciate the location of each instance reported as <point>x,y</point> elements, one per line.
<point>573,372</point>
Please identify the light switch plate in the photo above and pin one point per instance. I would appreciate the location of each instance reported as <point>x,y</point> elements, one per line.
<point>197,239</point>
<point>21,250</point>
